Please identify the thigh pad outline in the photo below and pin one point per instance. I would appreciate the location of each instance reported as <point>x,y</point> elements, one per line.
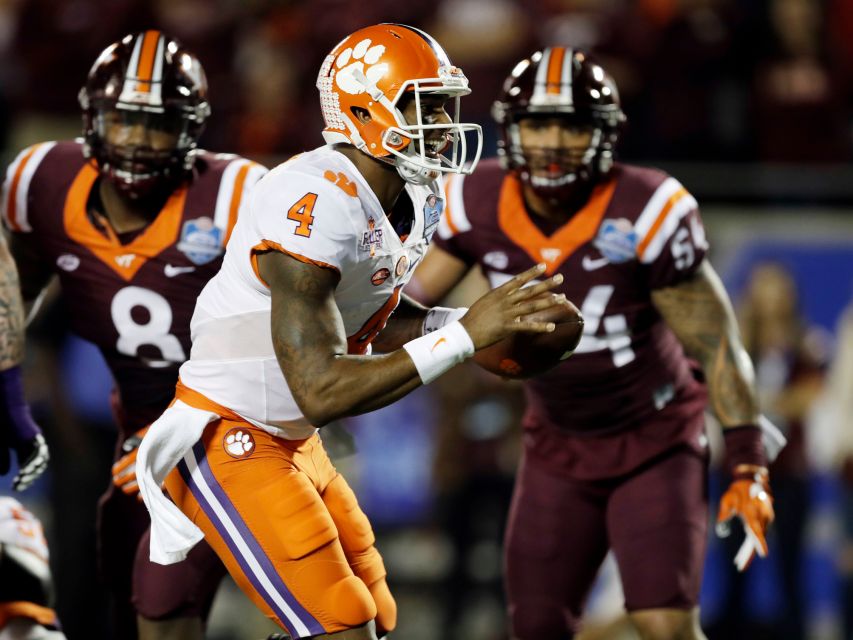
<point>354,528</point>
<point>297,513</point>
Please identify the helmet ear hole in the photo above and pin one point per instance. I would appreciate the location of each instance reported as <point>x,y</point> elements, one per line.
<point>361,115</point>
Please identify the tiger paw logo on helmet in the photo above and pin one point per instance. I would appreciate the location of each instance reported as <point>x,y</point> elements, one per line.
<point>351,63</point>
<point>362,83</point>
<point>238,443</point>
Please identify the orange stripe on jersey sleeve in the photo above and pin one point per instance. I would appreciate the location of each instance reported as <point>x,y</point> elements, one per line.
<point>269,245</point>
<point>146,60</point>
<point>11,202</point>
<point>555,69</point>
<point>236,198</point>
<point>667,207</point>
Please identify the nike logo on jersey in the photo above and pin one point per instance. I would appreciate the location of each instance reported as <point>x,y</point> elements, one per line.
<point>591,264</point>
<point>497,259</point>
<point>68,262</point>
<point>171,271</point>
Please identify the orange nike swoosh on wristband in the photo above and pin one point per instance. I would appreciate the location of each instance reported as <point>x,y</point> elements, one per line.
<point>438,342</point>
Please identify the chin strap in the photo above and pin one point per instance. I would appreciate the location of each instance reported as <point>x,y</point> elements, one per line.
<point>415,175</point>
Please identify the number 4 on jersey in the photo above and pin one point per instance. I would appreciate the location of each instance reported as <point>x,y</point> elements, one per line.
<point>301,212</point>
<point>616,336</point>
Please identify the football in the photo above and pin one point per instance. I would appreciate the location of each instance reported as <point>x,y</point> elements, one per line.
<point>523,355</point>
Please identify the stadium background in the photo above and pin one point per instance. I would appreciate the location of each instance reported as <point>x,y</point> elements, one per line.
<point>747,102</point>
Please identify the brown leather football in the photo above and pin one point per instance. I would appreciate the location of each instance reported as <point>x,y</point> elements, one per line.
<point>523,355</point>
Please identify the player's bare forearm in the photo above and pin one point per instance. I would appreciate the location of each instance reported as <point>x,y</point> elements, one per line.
<point>11,311</point>
<point>311,347</point>
<point>404,325</point>
<point>437,274</point>
<point>700,314</point>
<point>34,272</point>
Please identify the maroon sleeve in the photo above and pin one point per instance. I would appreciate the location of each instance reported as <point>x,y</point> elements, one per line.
<point>469,202</point>
<point>456,246</point>
<point>676,245</point>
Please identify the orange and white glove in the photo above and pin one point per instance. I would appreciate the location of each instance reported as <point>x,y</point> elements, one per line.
<point>124,469</point>
<point>748,497</point>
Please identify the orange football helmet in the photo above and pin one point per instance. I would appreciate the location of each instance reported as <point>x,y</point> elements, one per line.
<point>373,69</point>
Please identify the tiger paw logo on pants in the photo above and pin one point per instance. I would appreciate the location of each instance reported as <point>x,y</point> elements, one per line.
<point>238,443</point>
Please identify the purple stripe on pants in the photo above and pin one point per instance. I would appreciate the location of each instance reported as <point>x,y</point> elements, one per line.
<point>313,626</point>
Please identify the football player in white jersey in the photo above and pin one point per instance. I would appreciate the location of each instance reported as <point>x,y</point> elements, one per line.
<point>25,580</point>
<point>282,338</point>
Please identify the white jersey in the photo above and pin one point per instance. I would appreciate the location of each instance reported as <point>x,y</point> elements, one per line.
<point>317,208</point>
<point>20,528</point>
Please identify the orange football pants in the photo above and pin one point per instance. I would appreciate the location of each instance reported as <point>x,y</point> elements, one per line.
<point>285,523</point>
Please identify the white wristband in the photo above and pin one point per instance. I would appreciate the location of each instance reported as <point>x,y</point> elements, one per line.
<point>437,317</point>
<point>439,351</point>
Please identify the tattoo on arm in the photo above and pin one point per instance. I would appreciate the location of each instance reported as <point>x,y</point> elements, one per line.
<point>34,272</point>
<point>299,332</point>
<point>11,312</point>
<point>700,314</point>
<point>311,346</point>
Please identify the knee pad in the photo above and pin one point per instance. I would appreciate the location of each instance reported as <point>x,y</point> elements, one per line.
<point>354,528</point>
<point>386,607</point>
<point>349,602</point>
<point>296,515</point>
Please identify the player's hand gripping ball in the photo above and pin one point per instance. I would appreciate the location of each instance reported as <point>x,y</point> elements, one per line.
<point>523,355</point>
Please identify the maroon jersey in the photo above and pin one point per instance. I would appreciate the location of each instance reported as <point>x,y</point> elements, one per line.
<point>639,231</point>
<point>134,298</point>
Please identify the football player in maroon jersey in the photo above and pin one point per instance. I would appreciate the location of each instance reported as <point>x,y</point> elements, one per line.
<point>133,220</point>
<point>615,454</point>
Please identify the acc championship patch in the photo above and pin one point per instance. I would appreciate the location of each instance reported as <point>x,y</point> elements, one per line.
<point>200,240</point>
<point>617,240</point>
<point>372,238</point>
<point>433,208</point>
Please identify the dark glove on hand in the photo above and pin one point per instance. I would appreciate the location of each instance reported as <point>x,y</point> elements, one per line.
<point>19,432</point>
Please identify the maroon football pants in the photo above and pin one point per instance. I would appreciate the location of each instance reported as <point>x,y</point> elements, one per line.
<point>560,529</point>
<point>157,592</point>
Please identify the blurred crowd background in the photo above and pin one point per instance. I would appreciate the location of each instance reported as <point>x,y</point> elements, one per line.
<point>748,102</point>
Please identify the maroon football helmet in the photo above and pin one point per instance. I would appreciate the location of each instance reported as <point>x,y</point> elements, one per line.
<point>560,82</point>
<point>156,92</point>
